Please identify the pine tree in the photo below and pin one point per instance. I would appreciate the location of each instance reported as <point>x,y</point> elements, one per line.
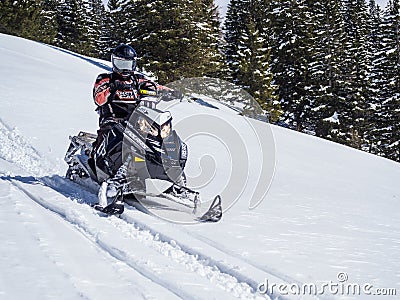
<point>72,27</point>
<point>48,27</point>
<point>125,15</point>
<point>112,33</point>
<point>356,70</point>
<point>159,34</point>
<point>27,18</point>
<point>326,86</point>
<point>291,56</point>
<point>6,16</point>
<point>252,71</point>
<point>389,116</point>
<point>174,38</point>
<point>31,19</point>
<point>374,100</point>
<point>14,13</point>
<point>209,35</point>
<point>95,22</point>
<point>235,28</point>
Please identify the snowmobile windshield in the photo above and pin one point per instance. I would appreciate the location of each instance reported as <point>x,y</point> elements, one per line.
<point>146,128</point>
<point>123,64</point>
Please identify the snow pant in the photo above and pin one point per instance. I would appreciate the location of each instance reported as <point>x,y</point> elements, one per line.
<point>106,156</point>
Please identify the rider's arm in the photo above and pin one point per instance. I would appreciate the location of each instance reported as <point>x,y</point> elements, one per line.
<point>166,93</point>
<point>143,78</point>
<point>101,90</point>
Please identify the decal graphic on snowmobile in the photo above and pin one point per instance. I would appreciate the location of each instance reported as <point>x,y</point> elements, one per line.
<point>154,159</point>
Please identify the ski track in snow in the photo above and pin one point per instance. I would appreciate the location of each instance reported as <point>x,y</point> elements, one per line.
<point>15,149</point>
<point>130,279</point>
<point>224,249</point>
<point>169,249</point>
<point>200,270</point>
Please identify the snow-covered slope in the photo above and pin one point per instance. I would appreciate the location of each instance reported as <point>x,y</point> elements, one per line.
<point>330,209</point>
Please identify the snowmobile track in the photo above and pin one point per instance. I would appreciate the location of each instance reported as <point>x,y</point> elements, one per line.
<point>198,270</point>
<point>206,251</point>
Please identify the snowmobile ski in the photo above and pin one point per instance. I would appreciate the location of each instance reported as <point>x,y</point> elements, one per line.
<point>214,213</point>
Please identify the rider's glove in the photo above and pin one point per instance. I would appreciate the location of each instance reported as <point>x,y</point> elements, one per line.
<point>171,95</point>
<point>118,86</point>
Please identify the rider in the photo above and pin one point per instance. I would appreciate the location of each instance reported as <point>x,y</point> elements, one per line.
<point>116,94</point>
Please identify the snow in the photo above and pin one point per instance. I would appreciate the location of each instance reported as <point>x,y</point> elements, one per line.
<point>334,118</point>
<point>382,3</point>
<point>329,209</point>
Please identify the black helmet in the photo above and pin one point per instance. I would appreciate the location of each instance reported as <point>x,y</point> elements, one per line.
<point>123,60</point>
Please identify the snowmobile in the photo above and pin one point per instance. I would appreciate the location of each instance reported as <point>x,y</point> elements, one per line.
<point>153,159</point>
